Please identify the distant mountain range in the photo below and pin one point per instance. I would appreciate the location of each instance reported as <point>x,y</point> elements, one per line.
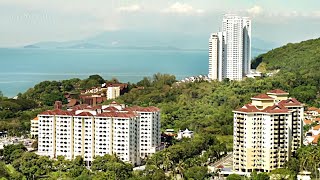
<point>147,41</point>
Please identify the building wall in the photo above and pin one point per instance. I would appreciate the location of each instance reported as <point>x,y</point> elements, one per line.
<point>46,136</point>
<point>149,133</point>
<point>34,128</point>
<point>64,136</point>
<point>113,92</point>
<point>103,135</point>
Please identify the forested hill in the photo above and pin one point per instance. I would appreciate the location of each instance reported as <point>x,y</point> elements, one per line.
<point>296,67</point>
<point>303,57</point>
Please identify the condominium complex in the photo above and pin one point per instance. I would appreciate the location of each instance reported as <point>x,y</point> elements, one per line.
<point>131,133</point>
<point>267,132</point>
<point>230,49</point>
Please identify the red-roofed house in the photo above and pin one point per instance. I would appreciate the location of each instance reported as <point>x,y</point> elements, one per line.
<point>312,112</point>
<point>307,122</point>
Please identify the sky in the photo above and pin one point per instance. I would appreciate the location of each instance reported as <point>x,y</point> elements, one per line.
<point>25,22</point>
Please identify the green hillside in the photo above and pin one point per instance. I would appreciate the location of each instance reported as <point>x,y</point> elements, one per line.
<point>296,67</point>
<point>301,57</point>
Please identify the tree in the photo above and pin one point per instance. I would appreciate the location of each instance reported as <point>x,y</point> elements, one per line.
<point>153,173</point>
<point>112,165</point>
<point>9,149</point>
<point>293,165</point>
<point>282,173</point>
<point>259,176</point>
<point>3,171</point>
<point>196,172</point>
<point>234,177</point>
<point>97,78</point>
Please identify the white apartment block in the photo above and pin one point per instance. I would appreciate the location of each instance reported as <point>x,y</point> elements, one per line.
<point>113,92</point>
<point>230,49</point>
<point>148,130</point>
<point>34,128</point>
<point>216,55</point>
<point>130,133</point>
<point>267,132</point>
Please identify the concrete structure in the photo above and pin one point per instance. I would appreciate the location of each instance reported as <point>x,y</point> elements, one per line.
<point>34,127</point>
<point>185,134</point>
<point>304,175</point>
<point>130,133</point>
<point>267,132</point>
<point>113,92</point>
<point>230,49</point>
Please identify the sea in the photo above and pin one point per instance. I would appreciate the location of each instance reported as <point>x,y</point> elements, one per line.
<point>22,68</point>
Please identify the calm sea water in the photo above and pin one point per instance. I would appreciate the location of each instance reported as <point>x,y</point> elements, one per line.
<point>21,69</point>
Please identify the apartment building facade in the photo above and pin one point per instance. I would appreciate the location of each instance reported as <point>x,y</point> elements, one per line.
<point>267,132</point>
<point>96,131</point>
<point>34,127</point>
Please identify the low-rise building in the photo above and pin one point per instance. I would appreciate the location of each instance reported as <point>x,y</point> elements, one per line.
<point>185,134</point>
<point>34,127</point>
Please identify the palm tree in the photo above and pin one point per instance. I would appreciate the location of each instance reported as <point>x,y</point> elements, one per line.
<point>180,168</point>
<point>167,163</point>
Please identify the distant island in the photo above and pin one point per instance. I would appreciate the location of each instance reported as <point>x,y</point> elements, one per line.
<point>31,46</point>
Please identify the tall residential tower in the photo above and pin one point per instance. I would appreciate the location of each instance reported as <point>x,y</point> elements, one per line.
<point>230,49</point>
<point>267,132</point>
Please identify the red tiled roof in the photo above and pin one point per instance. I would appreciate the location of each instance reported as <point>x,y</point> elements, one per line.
<point>84,114</point>
<point>312,109</point>
<point>121,85</point>
<point>142,109</point>
<point>262,96</point>
<point>248,108</point>
<point>269,109</point>
<point>111,108</point>
<point>277,108</point>
<point>315,140</point>
<point>277,91</point>
<point>36,118</point>
<point>317,127</point>
<point>57,112</point>
<point>81,107</point>
<point>114,102</point>
<point>317,119</point>
<point>72,102</point>
<point>96,107</point>
<point>118,114</point>
<point>306,121</point>
<point>290,102</point>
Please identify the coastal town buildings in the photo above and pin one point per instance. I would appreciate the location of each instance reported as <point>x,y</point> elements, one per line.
<point>96,95</point>
<point>311,126</point>
<point>132,133</point>
<point>230,49</point>
<point>267,132</point>
<point>34,127</point>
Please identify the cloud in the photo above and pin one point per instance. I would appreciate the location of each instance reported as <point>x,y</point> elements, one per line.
<point>131,8</point>
<point>255,10</point>
<point>182,8</point>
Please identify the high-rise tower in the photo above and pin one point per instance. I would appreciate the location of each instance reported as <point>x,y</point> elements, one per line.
<point>230,49</point>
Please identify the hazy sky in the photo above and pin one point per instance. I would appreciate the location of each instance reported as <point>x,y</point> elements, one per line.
<point>29,21</point>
